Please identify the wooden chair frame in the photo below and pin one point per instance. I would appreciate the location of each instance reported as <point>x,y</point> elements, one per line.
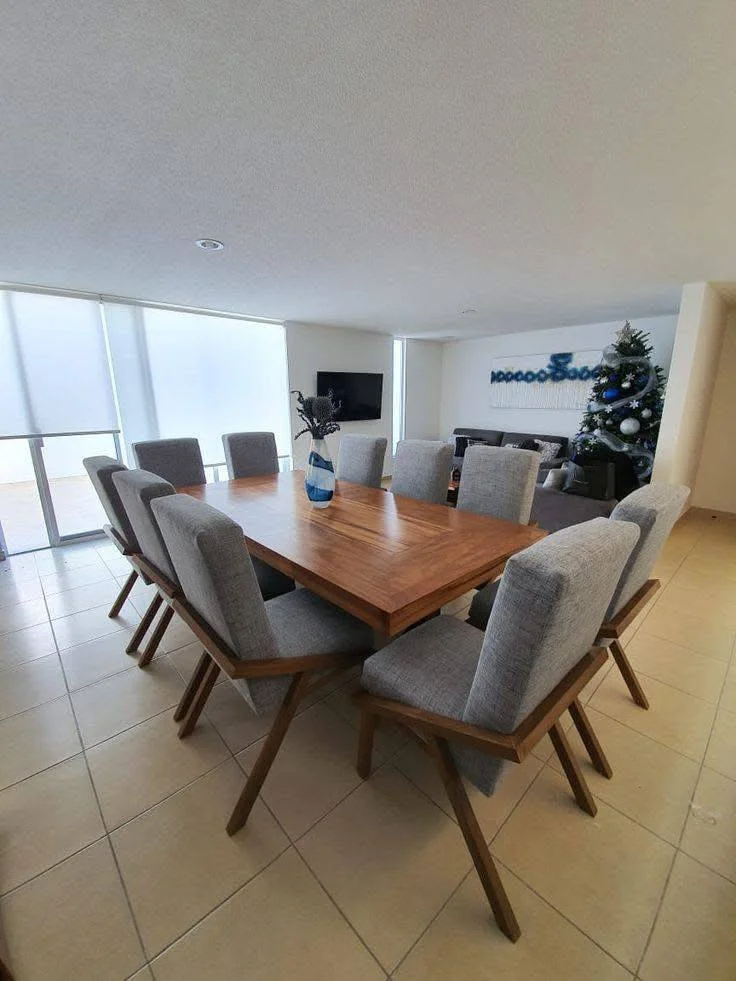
<point>610,633</point>
<point>436,732</point>
<point>216,657</point>
<point>165,591</point>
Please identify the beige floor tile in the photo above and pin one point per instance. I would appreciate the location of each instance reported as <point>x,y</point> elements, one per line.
<point>544,748</point>
<point>314,770</point>
<point>177,635</point>
<point>13,592</point>
<point>677,666</point>
<point>185,660</point>
<point>721,755</point>
<point>389,738</point>
<point>145,974</point>
<point>229,713</point>
<point>279,926</point>
<point>710,832</point>
<point>694,937</point>
<point>82,598</point>
<point>711,639</point>
<point>125,699</point>
<point>715,606</point>
<point>492,811</point>
<point>78,628</point>
<point>178,862</point>
<point>26,645</point>
<point>651,784</point>
<point>45,819</point>
<point>18,568</point>
<point>22,615</point>
<point>117,565</point>
<point>30,684</point>
<point>88,663</point>
<point>68,557</point>
<point>58,582</point>
<point>606,874</point>
<point>459,604</point>
<point>390,859</point>
<point>728,696</point>
<point>595,682</point>
<point>465,943</point>
<point>673,718</point>
<point>72,923</point>
<point>37,739</point>
<point>143,765</point>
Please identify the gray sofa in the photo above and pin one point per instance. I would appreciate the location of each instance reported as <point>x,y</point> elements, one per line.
<point>551,509</point>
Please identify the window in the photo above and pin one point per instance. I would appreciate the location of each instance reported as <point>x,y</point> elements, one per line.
<point>399,389</point>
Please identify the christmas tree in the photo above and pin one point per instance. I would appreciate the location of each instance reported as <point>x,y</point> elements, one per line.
<point>625,406</point>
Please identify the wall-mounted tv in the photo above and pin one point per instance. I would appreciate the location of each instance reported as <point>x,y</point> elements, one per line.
<point>358,392</point>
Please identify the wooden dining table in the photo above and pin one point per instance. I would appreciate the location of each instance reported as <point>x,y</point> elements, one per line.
<point>387,559</point>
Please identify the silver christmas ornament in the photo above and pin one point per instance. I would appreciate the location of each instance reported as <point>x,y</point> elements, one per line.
<point>625,384</point>
<point>646,413</point>
<point>630,426</point>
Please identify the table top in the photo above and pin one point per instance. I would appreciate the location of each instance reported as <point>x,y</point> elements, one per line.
<point>387,559</point>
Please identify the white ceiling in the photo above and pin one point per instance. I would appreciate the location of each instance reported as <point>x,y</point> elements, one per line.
<point>381,164</point>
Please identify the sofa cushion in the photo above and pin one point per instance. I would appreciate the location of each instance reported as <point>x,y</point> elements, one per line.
<point>510,438</point>
<point>492,437</point>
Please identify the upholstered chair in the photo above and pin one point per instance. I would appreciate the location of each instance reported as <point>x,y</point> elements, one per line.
<point>119,531</point>
<point>177,460</point>
<point>499,481</point>
<point>137,488</point>
<point>479,701</point>
<point>422,470</point>
<point>654,508</point>
<point>274,652</point>
<point>360,459</point>
<point>250,454</point>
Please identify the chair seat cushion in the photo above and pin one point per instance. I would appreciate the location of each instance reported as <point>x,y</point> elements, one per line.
<point>480,608</point>
<point>431,667</point>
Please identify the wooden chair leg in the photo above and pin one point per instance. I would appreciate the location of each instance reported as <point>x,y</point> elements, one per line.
<point>632,682</point>
<point>199,699</point>
<point>590,740</point>
<point>156,638</point>
<point>484,864</point>
<point>267,755</point>
<point>123,594</point>
<point>572,770</point>
<point>365,743</point>
<point>140,632</point>
<point>192,687</point>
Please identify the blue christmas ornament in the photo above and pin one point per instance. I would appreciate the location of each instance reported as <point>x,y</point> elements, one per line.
<point>610,394</point>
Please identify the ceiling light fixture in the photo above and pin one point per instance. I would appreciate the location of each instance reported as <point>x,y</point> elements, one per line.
<point>468,310</point>
<point>209,244</point>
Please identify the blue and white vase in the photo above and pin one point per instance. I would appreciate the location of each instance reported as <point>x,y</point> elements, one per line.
<point>320,479</point>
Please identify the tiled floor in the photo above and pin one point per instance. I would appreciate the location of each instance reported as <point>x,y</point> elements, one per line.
<point>114,862</point>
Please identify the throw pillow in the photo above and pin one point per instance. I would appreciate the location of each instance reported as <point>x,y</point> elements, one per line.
<point>555,479</point>
<point>526,444</point>
<point>596,480</point>
<point>548,450</point>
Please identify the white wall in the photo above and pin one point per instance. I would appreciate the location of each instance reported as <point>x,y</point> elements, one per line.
<point>466,373</point>
<point>423,389</point>
<point>715,484</point>
<point>311,348</point>
<point>700,330</point>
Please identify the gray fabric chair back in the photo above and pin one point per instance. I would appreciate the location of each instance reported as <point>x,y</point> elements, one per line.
<point>137,488</point>
<point>360,459</point>
<point>654,508</point>
<point>499,482</point>
<point>250,454</point>
<point>100,470</point>
<point>177,460</point>
<point>422,470</point>
<point>217,578</point>
<point>550,604</point>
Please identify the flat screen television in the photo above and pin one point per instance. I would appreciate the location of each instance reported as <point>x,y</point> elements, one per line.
<point>358,392</point>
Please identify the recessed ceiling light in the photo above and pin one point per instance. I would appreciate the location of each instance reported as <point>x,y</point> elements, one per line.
<point>209,244</point>
<point>468,310</point>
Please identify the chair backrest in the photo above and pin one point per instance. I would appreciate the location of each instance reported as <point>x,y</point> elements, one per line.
<point>177,460</point>
<point>422,470</point>
<point>217,578</point>
<point>549,607</point>
<point>137,488</point>
<point>654,508</point>
<point>360,459</point>
<point>499,482</point>
<point>100,470</point>
<point>250,454</point>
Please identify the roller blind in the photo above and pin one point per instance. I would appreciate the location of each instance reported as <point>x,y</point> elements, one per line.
<point>54,370</point>
<point>191,374</point>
